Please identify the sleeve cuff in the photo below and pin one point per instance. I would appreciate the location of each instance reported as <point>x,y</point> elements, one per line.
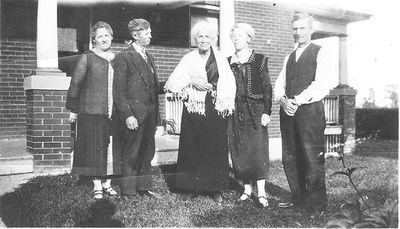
<point>72,104</point>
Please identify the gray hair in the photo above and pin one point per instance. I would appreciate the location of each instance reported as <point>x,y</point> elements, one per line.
<point>210,28</point>
<point>98,25</point>
<point>303,16</point>
<point>245,27</point>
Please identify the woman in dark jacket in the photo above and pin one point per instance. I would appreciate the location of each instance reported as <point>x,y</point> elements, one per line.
<point>90,101</point>
<point>247,128</point>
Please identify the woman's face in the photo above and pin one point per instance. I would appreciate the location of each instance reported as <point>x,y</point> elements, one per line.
<point>240,39</point>
<point>103,39</point>
<point>203,40</point>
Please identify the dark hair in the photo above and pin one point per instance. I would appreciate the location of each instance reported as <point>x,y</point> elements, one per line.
<point>98,25</point>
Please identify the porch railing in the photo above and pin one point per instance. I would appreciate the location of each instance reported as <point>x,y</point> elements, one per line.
<point>331,105</point>
<point>174,106</point>
<point>173,111</point>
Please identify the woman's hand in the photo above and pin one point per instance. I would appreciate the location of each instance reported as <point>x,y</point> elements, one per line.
<point>202,86</point>
<point>265,119</point>
<point>73,117</point>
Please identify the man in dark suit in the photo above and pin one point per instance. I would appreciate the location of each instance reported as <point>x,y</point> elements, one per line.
<point>302,84</point>
<point>136,90</point>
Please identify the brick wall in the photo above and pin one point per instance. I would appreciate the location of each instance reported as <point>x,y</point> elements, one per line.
<point>48,128</point>
<point>17,60</point>
<point>273,38</point>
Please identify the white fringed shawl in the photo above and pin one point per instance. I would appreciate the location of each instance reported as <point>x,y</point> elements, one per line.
<point>192,69</point>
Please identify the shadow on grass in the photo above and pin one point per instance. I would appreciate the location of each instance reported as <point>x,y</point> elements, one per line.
<point>377,148</point>
<point>248,214</point>
<point>169,174</point>
<point>389,155</point>
<point>101,214</point>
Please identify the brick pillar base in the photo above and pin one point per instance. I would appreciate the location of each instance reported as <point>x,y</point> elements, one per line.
<point>48,128</point>
<point>347,115</point>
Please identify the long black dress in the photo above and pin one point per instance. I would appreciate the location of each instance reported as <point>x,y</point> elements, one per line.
<point>203,157</point>
<point>248,139</point>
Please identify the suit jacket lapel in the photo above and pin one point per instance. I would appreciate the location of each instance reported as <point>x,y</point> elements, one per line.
<point>153,66</point>
<point>139,63</point>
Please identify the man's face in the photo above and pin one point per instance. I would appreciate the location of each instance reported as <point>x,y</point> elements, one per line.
<point>143,37</point>
<point>302,31</point>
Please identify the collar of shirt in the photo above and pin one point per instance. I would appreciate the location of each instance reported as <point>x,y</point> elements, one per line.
<point>141,50</point>
<point>300,50</point>
<point>243,59</point>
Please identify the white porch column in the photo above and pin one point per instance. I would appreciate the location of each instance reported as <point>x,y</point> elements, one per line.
<point>343,76</point>
<point>226,21</point>
<point>47,41</point>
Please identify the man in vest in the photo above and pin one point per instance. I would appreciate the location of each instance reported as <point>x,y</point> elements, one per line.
<point>299,89</point>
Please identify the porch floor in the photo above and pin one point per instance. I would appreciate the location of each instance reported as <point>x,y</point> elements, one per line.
<point>13,157</point>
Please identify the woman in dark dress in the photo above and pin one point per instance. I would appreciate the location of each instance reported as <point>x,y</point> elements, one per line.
<point>90,101</point>
<point>208,85</point>
<point>247,131</point>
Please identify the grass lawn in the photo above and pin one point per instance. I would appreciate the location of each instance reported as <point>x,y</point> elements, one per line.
<point>66,201</point>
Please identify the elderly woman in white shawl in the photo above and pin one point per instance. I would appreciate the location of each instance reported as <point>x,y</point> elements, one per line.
<point>207,84</point>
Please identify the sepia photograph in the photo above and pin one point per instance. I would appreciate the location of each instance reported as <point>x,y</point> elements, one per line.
<point>185,113</point>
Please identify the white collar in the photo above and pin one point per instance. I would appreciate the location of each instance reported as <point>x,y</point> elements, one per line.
<point>300,50</point>
<point>243,59</point>
<point>138,48</point>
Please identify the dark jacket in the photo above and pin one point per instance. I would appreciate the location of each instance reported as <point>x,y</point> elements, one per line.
<point>300,74</point>
<point>258,86</point>
<point>88,90</point>
<point>136,84</point>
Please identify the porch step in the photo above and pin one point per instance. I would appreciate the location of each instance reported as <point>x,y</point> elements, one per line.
<point>166,150</point>
<point>13,157</point>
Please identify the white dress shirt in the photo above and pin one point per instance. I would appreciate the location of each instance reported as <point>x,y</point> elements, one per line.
<point>321,85</point>
<point>141,50</point>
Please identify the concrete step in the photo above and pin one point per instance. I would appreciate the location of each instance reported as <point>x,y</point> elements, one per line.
<point>166,150</point>
<point>13,157</point>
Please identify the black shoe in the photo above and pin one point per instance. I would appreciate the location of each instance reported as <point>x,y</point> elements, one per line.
<point>150,194</point>
<point>286,204</point>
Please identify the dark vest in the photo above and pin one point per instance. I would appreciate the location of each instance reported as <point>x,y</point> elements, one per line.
<point>254,67</point>
<point>300,74</point>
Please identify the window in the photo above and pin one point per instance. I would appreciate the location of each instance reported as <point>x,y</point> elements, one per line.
<point>208,13</point>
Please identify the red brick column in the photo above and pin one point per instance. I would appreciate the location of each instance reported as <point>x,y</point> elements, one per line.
<point>48,129</point>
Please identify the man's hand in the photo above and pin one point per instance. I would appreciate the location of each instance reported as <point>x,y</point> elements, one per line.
<point>265,119</point>
<point>131,123</point>
<point>73,117</point>
<point>289,105</point>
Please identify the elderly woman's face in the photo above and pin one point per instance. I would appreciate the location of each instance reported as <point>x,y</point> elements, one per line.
<point>240,39</point>
<point>103,39</point>
<point>203,40</point>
